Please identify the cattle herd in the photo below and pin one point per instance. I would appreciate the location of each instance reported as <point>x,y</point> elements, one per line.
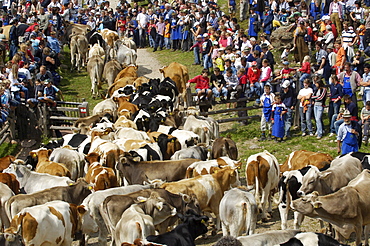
<point>146,173</point>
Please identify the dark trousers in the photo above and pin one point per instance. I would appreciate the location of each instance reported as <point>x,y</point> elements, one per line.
<point>159,41</point>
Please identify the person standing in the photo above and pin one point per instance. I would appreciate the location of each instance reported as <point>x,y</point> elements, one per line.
<point>335,13</point>
<point>305,109</point>
<point>300,46</point>
<point>289,98</point>
<point>319,97</point>
<point>207,51</point>
<point>244,5</point>
<point>267,99</point>
<point>142,20</point>
<point>278,110</point>
<point>336,94</point>
<point>13,38</point>
<point>350,81</point>
<point>159,40</point>
<point>349,134</point>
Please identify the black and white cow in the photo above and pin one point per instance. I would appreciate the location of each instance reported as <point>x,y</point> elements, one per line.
<point>312,239</point>
<point>80,142</point>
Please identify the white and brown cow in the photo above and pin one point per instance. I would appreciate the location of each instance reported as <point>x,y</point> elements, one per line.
<point>224,147</point>
<point>262,174</point>
<point>95,67</point>
<point>44,165</point>
<point>302,158</point>
<point>101,177</point>
<point>53,223</point>
<point>208,189</point>
<point>210,166</point>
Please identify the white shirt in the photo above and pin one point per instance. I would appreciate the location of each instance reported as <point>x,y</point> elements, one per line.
<point>304,92</point>
<point>143,19</point>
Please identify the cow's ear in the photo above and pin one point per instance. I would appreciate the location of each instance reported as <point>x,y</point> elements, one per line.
<point>49,152</point>
<point>324,175</point>
<point>186,198</point>
<point>317,204</point>
<point>81,209</point>
<point>159,206</point>
<point>33,154</point>
<point>141,199</point>
<point>161,70</point>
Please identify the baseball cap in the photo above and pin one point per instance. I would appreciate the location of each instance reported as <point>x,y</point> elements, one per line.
<point>46,81</point>
<point>253,39</point>
<point>205,35</point>
<point>285,63</point>
<point>254,63</point>
<point>199,36</point>
<point>285,84</point>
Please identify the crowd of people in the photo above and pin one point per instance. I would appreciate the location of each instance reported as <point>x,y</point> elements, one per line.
<point>329,41</point>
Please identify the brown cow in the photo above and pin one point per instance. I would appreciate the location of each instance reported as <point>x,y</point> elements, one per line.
<point>178,73</point>
<point>95,68</point>
<point>6,161</point>
<point>302,158</point>
<point>122,82</point>
<point>111,70</point>
<point>109,36</point>
<point>79,48</point>
<point>224,147</point>
<point>129,71</point>
<point>44,165</point>
<point>10,180</point>
<point>125,108</point>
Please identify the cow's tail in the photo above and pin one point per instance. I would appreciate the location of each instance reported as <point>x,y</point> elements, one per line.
<point>139,231</point>
<point>251,218</point>
<point>94,79</point>
<point>107,220</point>
<point>8,210</point>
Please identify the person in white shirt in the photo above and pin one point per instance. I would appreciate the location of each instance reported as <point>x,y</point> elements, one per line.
<point>142,20</point>
<point>305,109</point>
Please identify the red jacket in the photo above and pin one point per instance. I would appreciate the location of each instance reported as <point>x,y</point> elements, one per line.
<point>253,75</point>
<point>306,68</point>
<point>201,82</point>
<point>243,79</point>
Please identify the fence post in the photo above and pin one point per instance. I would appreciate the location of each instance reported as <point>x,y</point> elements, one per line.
<point>45,120</point>
<point>83,109</point>
<point>189,98</point>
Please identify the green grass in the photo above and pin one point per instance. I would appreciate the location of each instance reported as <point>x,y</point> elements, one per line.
<point>8,149</point>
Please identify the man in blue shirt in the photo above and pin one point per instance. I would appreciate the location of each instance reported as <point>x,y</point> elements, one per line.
<point>50,92</point>
<point>53,42</point>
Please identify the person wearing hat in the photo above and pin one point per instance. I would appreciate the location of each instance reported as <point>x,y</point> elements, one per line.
<point>357,14</point>
<point>50,93</point>
<point>328,37</point>
<point>349,135</point>
<point>109,21</point>
<point>207,48</point>
<point>267,21</point>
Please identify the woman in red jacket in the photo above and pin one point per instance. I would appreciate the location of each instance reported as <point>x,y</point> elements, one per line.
<point>305,69</point>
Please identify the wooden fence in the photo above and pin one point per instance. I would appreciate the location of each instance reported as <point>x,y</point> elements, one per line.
<point>5,133</point>
<point>192,102</point>
<point>61,117</point>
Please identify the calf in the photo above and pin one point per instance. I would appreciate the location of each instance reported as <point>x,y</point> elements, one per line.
<point>262,174</point>
<point>123,121</point>
<point>210,166</point>
<point>139,219</point>
<point>185,233</point>
<point>60,222</point>
<point>44,165</point>
<point>238,213</point>
<point>312,239</point>
<point>74,193</point>
<point>124,106</point>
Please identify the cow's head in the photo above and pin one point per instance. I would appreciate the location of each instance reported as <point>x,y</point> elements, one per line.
<point>311,179</point>
<point>87,223</point>
<point>307,204</point>
<point>190,202</point>
<point>196,223</point>
<point>92,157</point>
<point>41,153</point>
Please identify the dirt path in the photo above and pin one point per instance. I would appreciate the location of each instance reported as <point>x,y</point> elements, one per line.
<point>148,65</point>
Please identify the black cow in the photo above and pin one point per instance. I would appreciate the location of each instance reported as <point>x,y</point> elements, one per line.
<point>185,233</point>
<point>313,239</point>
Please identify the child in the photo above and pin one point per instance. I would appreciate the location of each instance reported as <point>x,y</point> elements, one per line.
<point>202,84</point>
<point>218,84</point>
<point>365,83</point>
<point>152,33</point>
<point>266,73</point>
<point>279,110</point>
<point>365,121</point>
<point>167,34</point>
<point>285,54</point>
<point>197,50</point>
<point>267,100</point>
<point>232,83</point>
<point>219,62</point>
<point>305,69</point>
